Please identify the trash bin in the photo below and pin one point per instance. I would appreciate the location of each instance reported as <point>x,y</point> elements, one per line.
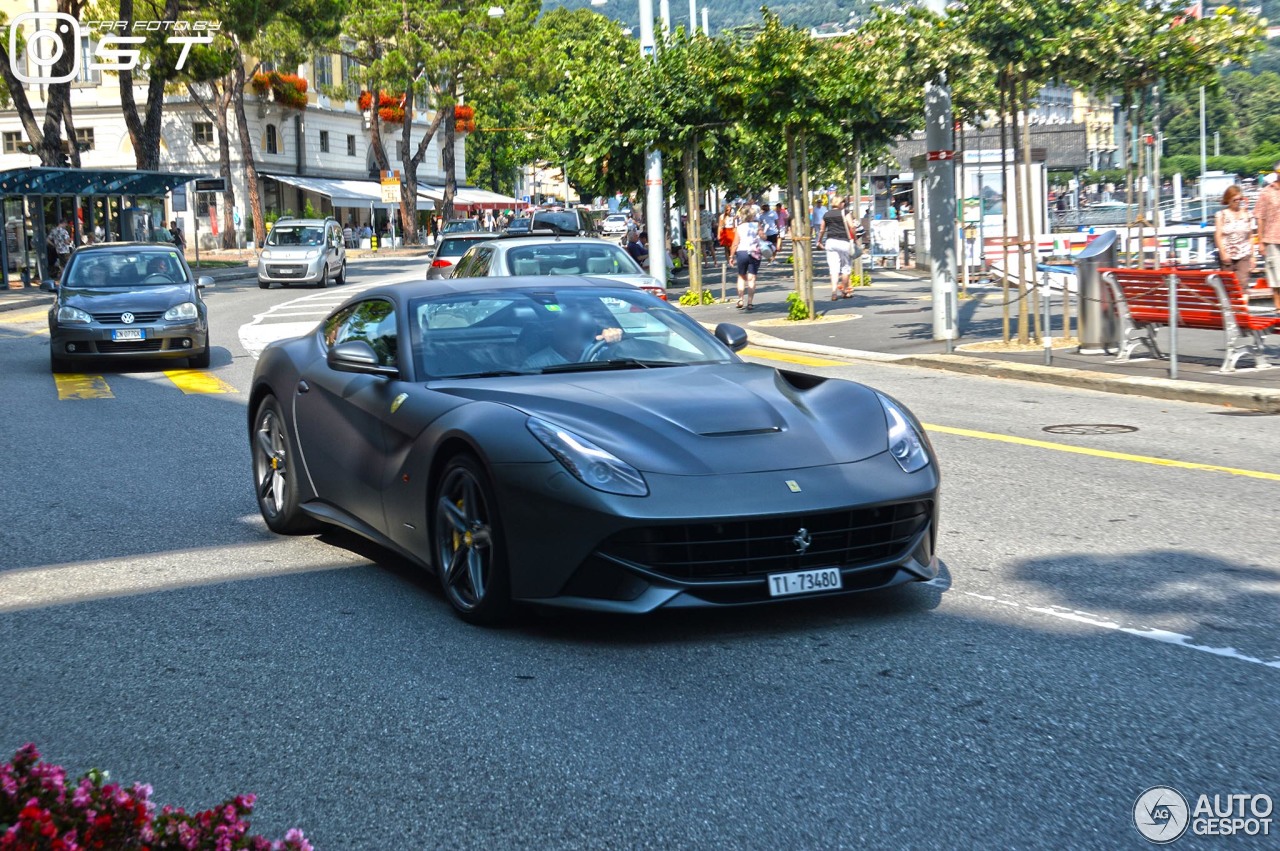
<point>1099,330</point>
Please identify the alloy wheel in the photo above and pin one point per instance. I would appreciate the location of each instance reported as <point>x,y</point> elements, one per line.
<point>464,539</point>
<point>270,462</point>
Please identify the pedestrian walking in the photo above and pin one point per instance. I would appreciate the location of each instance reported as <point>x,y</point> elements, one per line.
<point>746,250</point>
<point>836,238</point>
<point>59,241</point>
<point>769,221</point>
<point>707,235</point>
<point>728,227</point>
<point>784,222</point>
<point>179,238</point>
<point>1267,212</point>
<point>1233,233</point>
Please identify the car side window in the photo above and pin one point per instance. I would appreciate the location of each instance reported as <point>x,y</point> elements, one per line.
<point>474,264</point>
<point>373,321</point>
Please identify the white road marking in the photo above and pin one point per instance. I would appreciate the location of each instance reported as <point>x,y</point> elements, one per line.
<point>1161,635</point>
<point>285,320</point>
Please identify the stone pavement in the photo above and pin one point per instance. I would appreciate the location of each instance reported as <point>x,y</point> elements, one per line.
<point>892,321</point>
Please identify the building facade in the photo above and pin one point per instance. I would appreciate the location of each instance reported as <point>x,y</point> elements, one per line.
<point>329,139</point>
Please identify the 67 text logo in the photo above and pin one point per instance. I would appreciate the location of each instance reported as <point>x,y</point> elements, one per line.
<point>47,44</point>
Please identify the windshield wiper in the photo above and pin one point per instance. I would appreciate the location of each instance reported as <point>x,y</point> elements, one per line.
<point>497,373</point>
<point>612,363</point>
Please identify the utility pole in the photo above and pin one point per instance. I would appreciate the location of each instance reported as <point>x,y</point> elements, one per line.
<point>1204,211</point>
<point>940,179</point>
<point>655,212</point>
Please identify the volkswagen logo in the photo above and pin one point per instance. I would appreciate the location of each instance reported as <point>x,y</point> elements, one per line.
<point>802,540</point>
<point>126,318</point>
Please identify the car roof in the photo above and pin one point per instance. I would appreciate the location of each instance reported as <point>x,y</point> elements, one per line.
<point>124,247</point>
<point>410,290</point>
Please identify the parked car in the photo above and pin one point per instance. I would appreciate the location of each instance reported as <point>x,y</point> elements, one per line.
<point>460,226</point>
<point>614,225</point>
<point>518,227</point>
<point>128,300</point>
<point>536,255</point>
<point>303,251</point>
<point>450,248</point>
<point>579,444</point>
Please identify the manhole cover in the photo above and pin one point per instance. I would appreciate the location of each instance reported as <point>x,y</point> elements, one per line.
<point>1090,428</point>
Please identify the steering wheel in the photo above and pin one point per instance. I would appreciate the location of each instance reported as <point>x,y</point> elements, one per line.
<point>156,278</point>
<point>593,351</point>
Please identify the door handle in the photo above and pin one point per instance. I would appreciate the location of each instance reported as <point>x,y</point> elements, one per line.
<point>303,386</point>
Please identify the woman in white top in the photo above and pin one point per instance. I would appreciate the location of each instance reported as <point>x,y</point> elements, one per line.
<point>1233,232</point>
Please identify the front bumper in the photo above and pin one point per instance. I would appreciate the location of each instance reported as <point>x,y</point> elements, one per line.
<point>714,540</point>
<point>291,271</point>
<point>179,339</point>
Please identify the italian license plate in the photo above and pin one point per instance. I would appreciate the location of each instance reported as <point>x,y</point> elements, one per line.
<point>804,582</point>
<point>128,334</point>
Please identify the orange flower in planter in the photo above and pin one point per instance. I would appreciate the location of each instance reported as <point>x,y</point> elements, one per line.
<point>289,89</point>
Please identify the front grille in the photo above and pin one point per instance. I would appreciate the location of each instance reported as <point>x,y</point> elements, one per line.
<point>107,347</point>
<point>139,316</point>
<point>286,271</point>
<point>760,545</point>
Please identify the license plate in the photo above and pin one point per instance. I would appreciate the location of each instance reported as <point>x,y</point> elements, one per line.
<point>128,334</point>
<point>804,582</point>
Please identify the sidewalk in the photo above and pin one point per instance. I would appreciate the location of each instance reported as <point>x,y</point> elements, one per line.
<point>892,321</point>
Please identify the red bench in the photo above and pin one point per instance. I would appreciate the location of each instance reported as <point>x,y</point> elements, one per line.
<point>1206,299</point>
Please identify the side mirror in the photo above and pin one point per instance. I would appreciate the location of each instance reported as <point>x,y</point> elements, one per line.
<point>732,336</point>
<point>49,285</point>
<point>204,282</point>
<point>359,357</point>
<point>431,255</point>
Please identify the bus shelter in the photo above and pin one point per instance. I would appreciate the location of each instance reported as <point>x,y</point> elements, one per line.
<point>102,206</point>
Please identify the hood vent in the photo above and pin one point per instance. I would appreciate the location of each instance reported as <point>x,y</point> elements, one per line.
<point>742,433</point>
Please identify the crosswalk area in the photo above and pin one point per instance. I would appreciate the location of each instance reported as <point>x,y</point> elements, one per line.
<point>72,386</point>
<point>76,386</point>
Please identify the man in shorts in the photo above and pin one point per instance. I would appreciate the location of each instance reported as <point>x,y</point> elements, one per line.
<point>1267,212</point>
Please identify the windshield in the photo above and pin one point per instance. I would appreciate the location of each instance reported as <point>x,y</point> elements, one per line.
<point>144,268</point>
<point>454,247</point>
<point>561,258</point>
<point>530,332</point>
<point>289,235</point>
<point>459,225</point>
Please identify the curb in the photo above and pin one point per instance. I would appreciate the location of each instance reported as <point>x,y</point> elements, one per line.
<point>1264,401</point>
<point>21,303</point>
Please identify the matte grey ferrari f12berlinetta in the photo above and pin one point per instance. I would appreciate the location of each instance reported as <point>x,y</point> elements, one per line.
<point>573,442</point>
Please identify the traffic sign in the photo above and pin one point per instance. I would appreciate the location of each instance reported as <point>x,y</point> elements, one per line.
<point>935,156</point>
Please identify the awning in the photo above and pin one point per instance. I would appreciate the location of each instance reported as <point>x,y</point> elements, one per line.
<point>467,196</point>
<point>345,193</point>
<point>85,181</point>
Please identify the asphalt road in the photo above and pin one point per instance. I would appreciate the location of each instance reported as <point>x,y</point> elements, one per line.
<point>1106,623</point>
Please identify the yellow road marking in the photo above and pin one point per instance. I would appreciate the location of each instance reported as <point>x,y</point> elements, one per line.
<point>1102,453</point>
<point>74,385</point>
<point>8,317</point>
<point>804,360</point>
<point>196,381</point>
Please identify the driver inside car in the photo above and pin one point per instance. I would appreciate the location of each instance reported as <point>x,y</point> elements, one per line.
<point>157,267</point>
<point>569,338</point>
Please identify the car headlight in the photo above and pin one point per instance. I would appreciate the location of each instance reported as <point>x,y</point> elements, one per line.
<point>906,443</point>
<point>313,253</point>
<point>186,310</point>
<point>590,464</point>
<point>73,314</point>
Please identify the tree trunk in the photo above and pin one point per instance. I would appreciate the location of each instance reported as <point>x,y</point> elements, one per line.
<point>144,133</point>
<point>450,175</point>
<point>247,155</point>
<point>693,233</point>
<point>413,159</point>
<point>1019,157</point>
<point>1030,216</point>
<point>1004,207</point>
<point>857,193</point>
<point>807,280</point>
<point>217,107</point>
